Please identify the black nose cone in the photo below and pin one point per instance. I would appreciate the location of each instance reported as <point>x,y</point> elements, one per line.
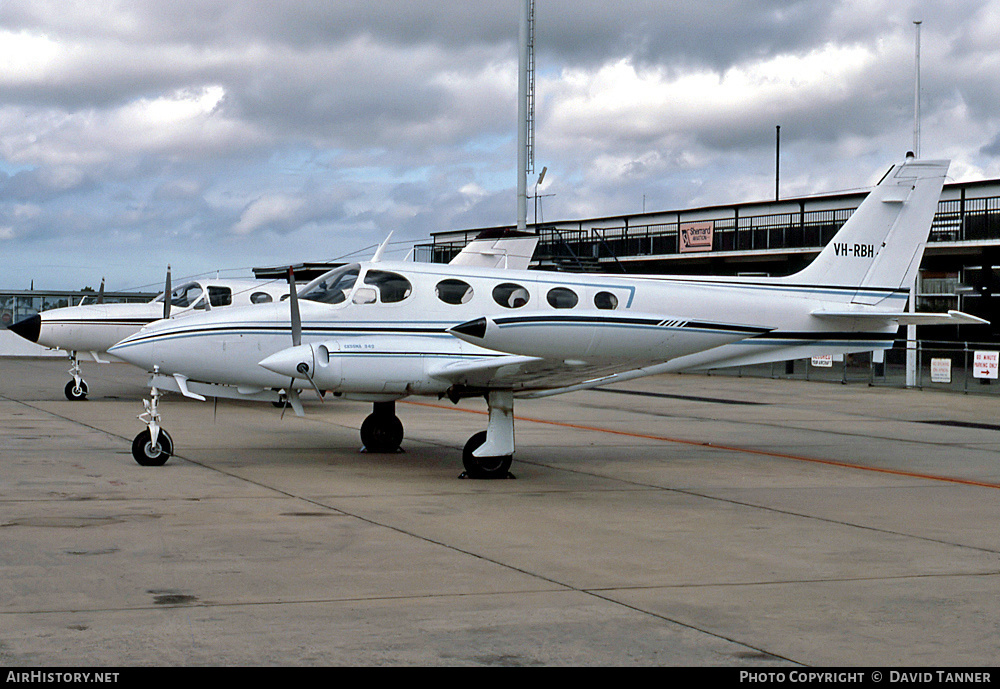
<point>476,328</point>
<point>28,328</point>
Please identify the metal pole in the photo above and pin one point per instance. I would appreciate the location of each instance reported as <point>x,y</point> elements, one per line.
<point>911,330</point>
<point>916,97</point>
<point>777,159</point>
<point>522,118</point>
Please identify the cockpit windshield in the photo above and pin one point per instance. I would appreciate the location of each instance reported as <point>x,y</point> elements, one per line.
<point>332,287</point>
<point>184,296</point>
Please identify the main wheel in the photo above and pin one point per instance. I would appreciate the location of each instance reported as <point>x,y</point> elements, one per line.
<point>381,433</point>
<point>74,392</point>
<point>484,467</point>
<point>149,456</point>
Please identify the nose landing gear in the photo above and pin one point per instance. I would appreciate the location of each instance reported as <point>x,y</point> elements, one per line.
<point>153,446</point>
<point>76,389</point>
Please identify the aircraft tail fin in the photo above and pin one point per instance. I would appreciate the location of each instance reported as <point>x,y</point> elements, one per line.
<point>498,249</point>
<point>881,244</point>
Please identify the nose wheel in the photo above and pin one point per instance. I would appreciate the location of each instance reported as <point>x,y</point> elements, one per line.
<point>150,454</point>
<point>76,389</point>
<point>153,446</point>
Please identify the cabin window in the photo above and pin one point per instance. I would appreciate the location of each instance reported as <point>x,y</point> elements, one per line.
<point>510,296</point>
<point>220,296</point>
<point>392,287</point>
<point>364,295</point>
<point>453,291</point>
<point>260,298</point>
<point>184,296</point>
<point>332,287</point>
<point>605,300</point>
<point>562,298</point>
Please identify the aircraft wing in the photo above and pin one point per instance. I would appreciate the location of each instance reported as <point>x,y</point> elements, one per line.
<point>906,318</point>
<point>526,373</point>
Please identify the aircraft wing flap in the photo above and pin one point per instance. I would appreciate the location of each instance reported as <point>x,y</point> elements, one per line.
<point>952,317</point>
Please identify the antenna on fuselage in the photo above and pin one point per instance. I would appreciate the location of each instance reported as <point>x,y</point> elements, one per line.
<point>381,249</point>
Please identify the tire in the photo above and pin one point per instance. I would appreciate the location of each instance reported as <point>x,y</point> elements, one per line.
<point>148,456</point>
<point>484,467</point>
<point>381,433</point>
<point>74,393</point>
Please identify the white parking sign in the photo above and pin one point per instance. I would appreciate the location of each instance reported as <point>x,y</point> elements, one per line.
<point>984,364</point>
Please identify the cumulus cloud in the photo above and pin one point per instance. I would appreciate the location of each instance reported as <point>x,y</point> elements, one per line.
<point>241,132</point>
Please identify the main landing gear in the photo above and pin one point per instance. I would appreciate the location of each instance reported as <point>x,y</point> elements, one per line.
<point>487,455</point>
<point>76,389</point>
<point>382,431</point>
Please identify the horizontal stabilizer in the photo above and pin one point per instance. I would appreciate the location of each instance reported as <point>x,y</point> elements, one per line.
<point>907,318</point>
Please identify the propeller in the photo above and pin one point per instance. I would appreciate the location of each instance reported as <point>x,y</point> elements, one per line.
<point>100,293</point>
<point>303,368</point>
<point>293,300</point>
<point>167,296</point>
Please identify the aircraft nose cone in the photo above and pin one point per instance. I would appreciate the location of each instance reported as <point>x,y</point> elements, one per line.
<point>287,361</point>
<point>28,328</point>
<point>133,351</point>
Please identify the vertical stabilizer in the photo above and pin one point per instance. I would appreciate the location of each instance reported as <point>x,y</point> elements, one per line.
<point>498,249</point>
<point>881,244</point>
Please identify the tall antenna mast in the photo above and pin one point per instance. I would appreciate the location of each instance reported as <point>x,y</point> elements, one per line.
<point>525,109</point>
<point>916,97</point>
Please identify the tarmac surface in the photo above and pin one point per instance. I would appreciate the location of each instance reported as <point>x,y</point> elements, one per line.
<point>682,520</point>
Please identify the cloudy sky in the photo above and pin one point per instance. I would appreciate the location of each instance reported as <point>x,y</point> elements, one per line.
<point>226,134</point>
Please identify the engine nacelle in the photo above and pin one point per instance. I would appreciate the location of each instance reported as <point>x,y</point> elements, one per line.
<point>363,365</point>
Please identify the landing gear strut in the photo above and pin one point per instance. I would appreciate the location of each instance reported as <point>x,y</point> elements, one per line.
<point>489,453</point>
<point>382,431</point>
<point>153,446</point>
<point>76,389</point>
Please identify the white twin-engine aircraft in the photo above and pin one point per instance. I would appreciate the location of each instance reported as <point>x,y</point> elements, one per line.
<point>380,331</point>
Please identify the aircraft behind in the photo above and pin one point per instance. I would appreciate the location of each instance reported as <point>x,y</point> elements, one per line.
<point>94,328</point>
<point>380,331</point>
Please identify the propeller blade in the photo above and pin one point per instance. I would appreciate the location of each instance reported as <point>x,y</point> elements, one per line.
<point>293,301</point>
<point>303,368</point>
<point>100,293</point>
<point>285,405</point>
<point>167,296</point>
